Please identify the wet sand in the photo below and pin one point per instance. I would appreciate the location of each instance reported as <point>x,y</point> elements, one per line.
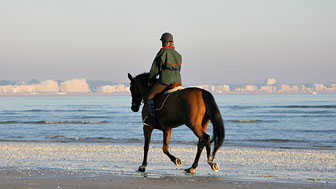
<point>70,165</point>
<point>10,178</point>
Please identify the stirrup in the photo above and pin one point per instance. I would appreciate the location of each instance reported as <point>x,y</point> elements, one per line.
<point>150,121</point>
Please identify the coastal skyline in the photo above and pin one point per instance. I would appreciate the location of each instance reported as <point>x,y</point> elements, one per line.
<point>82,86</point>
<point>220,41</point>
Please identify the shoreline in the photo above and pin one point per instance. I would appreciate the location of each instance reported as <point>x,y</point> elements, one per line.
<point>45,178</point>
<point>241,164</point>
<point>158,143</point>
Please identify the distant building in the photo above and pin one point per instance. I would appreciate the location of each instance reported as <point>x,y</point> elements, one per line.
<point>270,81</point>
<point>221,89</point>
<point>251,88</point>
<point>239,89</point>
<point>5,89</point>
<point>47,86</point>
<point>268,89</point>
<point>284,88</point>
<point>295,88</point>
<point>319,87</point>
<point>112,89</point>
<point>288,89</point>
<point>81,86</point>
<point>333,86</point>
<point>307,89</point>
<point>75,86</point>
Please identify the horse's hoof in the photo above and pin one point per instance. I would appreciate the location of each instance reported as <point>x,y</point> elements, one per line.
<point>178,162</point>
<point>190,170</point>
<point>214,167</point>
<point>142,169</point>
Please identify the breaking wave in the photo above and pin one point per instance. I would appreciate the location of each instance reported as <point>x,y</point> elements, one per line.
<point>91,139</point>
<point>277,140</point>
<point>306,106</point>
<point>285,106</point>
<point>244,121</point>
<point>53,122</point>
<point>250,121</point>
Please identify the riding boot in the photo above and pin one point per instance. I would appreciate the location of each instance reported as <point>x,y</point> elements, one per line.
<point>151,119</point>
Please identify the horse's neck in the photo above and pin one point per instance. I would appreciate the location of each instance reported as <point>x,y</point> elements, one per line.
<point>144,90</point>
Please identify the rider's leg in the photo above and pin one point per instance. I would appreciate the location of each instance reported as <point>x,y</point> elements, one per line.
<point>157,88</point>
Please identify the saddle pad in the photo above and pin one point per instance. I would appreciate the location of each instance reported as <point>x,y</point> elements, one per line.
<point>174,89</point>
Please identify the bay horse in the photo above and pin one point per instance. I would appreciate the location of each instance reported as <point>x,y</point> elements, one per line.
<point>193,107</point>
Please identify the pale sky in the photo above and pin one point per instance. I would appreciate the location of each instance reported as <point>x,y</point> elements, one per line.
<point>221,41</point>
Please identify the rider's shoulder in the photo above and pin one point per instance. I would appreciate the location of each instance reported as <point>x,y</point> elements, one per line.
<point>162,52</point>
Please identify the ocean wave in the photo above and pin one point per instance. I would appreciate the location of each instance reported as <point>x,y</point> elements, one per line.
<point>318,116</point>
<point>68,122</point>
<point>7,113</point>
<point>244,121</point>
<point>54,122</point>
<point>291,111</point>
<point>35,110</point>
<point>56,110</point>
<point>7,122</point>
<point>93,117</point>
<point>277,140</point>
<point>251,121</point>
<point>61,138</point>
<point>306,106</point>
<point>285,106</point>
<point>323,146</point>
<point>241,107</point>
<point>317,131</point>
<point>83,139</point>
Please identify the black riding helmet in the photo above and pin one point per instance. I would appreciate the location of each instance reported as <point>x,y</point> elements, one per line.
<point>167,37</point>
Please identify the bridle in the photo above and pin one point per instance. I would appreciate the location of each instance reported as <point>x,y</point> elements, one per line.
<point>136,102</point>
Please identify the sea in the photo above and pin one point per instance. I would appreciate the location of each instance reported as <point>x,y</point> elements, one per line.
<point>303,121</point>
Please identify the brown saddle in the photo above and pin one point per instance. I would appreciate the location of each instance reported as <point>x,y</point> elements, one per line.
<point>161,98</point>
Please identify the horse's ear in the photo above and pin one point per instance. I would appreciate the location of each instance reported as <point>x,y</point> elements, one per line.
<point>130,77</point>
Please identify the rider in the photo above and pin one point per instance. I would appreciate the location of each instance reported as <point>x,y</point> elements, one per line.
<point>166,64</point>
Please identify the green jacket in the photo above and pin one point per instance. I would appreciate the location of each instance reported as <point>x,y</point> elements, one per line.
<point>167,64</point>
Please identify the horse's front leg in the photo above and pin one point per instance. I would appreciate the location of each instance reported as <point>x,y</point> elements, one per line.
<point>165,148</point>
<point>147,133</point>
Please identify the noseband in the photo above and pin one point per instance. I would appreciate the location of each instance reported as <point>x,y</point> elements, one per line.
<point>136,103</point>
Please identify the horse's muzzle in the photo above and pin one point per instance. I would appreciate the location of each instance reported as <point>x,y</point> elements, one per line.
<point>135,106</point>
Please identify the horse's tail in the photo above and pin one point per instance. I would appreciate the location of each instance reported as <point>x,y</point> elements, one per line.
<point>212,111</point>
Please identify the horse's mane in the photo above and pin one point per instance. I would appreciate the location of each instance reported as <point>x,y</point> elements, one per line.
<point>144,77</point>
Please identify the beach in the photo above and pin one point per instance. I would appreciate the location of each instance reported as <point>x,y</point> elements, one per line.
<point>65,179</point>
<point>274,141</point>
<point>69,165</point>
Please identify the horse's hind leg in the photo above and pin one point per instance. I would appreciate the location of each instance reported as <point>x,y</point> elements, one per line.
<point>204,140</point>
<point>207,144</point>
<point>212,164</point>
<point>147,133</point>
<point>165,148</point>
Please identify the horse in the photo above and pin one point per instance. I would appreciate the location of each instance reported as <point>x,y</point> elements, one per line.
<point>193,107</point>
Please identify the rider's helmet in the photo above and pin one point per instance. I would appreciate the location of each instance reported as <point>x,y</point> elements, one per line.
<point>167,37</point>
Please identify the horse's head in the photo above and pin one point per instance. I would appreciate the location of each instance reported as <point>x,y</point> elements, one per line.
<point>136,93</point>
